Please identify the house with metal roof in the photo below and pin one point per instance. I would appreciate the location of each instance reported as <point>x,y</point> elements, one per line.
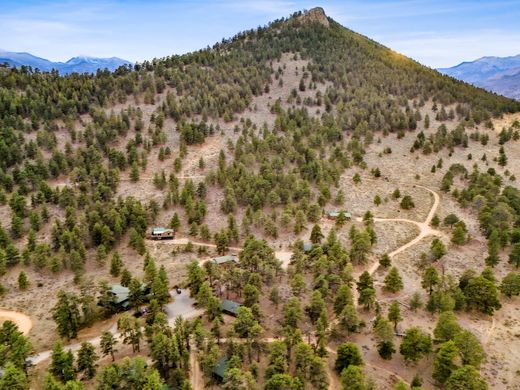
<point>220,369</point>
<point>230,307</point>
<point>120,297</point>
<point>335,214</point>
<point>160,233</point>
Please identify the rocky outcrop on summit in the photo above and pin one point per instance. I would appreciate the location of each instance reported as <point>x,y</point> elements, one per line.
<point>315,15</point>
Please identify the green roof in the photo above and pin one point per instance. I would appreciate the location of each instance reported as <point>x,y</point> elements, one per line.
<point>220,368</point>
<point>120,292</point>
<point>230,306</point>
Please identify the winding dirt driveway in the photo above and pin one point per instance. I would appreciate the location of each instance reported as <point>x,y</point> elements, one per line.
<point>21,320</point>
<point>425,229</point>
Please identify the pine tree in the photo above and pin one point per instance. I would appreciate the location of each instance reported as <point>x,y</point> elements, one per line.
<point>87,360</point>
<point>385,261</point>
<point>62,363</point>
<point>348,355</point>
<point>393,281</point>
<point>430,279</point>
<point>394,314</point>
<point>316,235</point>
<point>107,344</point>
<point>66,314</point>
<point>445,361</point>
<point>23,281</point>
<point>126,277</point>
<point>160,289</point>
<point>493,245</point>
<point>116,264</point>
<point>13,378</point>
<point>459,235</point>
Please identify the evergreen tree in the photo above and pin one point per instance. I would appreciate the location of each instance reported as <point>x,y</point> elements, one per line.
<point>116,264</point>
<point>415,345</point>
<point>67,315</point>
<point>393,281</point>
<point>107,344</point>
<point>316,234</point>
<point>444,363</point>
<point>87,360</point>
<point>348,354</point>
<point>493,244</point>
<point>385,261</point>
<point>13,378</point>
<point>394,314</point>
<point>467,378</point>
<point>62,363</point>
<point>23,281</point>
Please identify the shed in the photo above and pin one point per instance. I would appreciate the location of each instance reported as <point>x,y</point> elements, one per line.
<point>230,307</point>
<point>307,247</point>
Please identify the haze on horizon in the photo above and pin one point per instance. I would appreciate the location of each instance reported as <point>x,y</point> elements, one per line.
<point>435,33</point>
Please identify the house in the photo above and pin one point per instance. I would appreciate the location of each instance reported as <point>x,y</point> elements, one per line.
<point>160,233</point>
<point>335,214</point>
<point>119,297</point>
<point>230,307</point>
<point>225,260</point>
<point>220,369</point>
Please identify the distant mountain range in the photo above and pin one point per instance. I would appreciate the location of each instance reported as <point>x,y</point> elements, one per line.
<point>80,64</point>
<point>497,74</point>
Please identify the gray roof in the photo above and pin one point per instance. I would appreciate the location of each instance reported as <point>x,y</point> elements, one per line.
<point>307,246</point>
<point>230,306</point>
<point>225,259</point>
<point>161,230</point>
<point>336,214</point>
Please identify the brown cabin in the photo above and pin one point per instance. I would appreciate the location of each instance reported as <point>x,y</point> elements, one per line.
<point>160,233</point>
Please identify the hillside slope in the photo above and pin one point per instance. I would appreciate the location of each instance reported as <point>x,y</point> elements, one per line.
<point>245,147</point>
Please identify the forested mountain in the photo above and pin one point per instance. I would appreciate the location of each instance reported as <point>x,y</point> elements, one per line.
<point>247,146</point>
<point>80,64</point>
<point>497,74</point>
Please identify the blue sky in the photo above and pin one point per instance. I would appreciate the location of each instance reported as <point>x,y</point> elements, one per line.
<point>434,32</point>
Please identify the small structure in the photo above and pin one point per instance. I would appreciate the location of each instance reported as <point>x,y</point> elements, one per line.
<point>220,369</point>
<point>160,233</point>
<point>230,307</point>
<point>307,247</point>
<point>335,214</point>
<point>120,297</point>
<point>225,260</point>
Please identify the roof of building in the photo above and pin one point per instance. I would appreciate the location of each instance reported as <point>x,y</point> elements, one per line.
<point>120,292</point>
<point>225,259</point>
<point>337,213</point>
<point>307,246</point>
<point>230,306</point>
<point>220,368</point>
<point>161,230</point>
